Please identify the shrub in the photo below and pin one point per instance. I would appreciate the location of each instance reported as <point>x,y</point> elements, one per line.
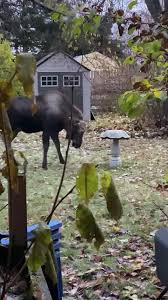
<point>7,63</point>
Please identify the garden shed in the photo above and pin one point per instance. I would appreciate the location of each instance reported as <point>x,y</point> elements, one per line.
<point>58,70</point>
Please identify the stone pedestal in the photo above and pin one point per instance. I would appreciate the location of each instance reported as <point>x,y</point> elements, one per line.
<point>115,159</point>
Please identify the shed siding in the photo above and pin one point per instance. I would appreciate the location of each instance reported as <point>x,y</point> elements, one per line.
<point>36,93</point>
<point>60,63</point>
<point>86,96</point>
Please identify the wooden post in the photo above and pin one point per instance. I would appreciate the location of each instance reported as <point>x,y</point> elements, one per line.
<point>18,213</point>
<point>18,220</point>
<point>18,228</point>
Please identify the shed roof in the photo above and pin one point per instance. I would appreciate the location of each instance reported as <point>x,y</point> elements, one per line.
<point>48,56</point>
<point>96,61</point>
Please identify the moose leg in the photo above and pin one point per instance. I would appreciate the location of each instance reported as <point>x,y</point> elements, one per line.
<point>57,145</point>
<point>45,138</point>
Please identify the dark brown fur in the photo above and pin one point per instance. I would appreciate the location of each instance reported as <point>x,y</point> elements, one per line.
<point>53,114</point>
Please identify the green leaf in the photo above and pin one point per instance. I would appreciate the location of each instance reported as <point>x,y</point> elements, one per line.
<point>63,8</point>
<point>130,43</point>
<point>25,68</point>
<point>143,85</point>
<point>133,103</point>
<point>9,153</point>
<point>112,199</point>
<point>50,267</point>
<point>159,77</point>
<point>129,60</point>
<point>6,91</point>
<point>157,93</point>
<point>87,181</point>
<point>152,47</point>
<point>97,20</point>
<point>162,95</point>
<point>165,65</point>
<point>132,4</point>
<point>77,31</point>
<point>129,103</point>
<point>137,48</point>
<point>131,29</point>
<point>87,226</point>
<point>55,16</point>
<point>43,239</point>
<point>87,28</point>
<point>166,178</point>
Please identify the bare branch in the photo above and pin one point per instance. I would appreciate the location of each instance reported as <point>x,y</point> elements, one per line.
<point>64,169</point>
<point>161,209</point>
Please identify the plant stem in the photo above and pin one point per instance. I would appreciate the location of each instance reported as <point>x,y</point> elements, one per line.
<point>67,194</point>
<point>3,207</point>
<point>161,209</point>
<point>48,219</point>
<point>11,79</point>
<point>22,268</point>
<point>7,150</point>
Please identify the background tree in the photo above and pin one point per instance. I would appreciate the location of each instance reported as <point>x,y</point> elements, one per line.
<point>31,28</point>
<point>7,63</point>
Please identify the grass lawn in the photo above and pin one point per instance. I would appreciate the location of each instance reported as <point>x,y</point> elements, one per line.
<point>124,267</point>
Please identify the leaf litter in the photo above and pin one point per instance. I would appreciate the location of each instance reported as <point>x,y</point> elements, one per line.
<point>124,267</point>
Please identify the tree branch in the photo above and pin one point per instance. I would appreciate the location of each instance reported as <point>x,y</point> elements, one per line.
<point>48,219</point>
<point>161,209</point>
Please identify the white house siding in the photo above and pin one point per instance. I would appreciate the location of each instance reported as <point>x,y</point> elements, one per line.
<point>86,95</point>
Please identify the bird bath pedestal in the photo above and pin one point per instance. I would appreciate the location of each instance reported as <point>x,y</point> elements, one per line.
<point>116,136</point>
<point>115,159</point>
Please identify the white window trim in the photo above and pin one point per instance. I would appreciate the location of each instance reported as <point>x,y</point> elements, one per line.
<point>65,85</point>
<point>47,85</point>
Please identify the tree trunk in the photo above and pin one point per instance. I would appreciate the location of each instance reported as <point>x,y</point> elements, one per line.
<point>154,8</point>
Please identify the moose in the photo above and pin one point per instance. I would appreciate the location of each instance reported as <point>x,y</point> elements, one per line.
<point>54,112</point>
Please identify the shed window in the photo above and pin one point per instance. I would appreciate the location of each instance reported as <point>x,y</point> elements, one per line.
<point>71,80</point>
<point>49,81</point>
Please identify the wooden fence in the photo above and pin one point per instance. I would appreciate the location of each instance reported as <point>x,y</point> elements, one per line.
<point>108,85</point>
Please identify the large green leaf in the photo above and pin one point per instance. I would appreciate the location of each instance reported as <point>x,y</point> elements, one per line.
<point>87,181</point>
<point>133,103</point>
<point>87,226</point>
<point>40,252</point>
<point>152,47</point>
<point>50,266</point>
<point>110,193</point>
<point>25,68</point>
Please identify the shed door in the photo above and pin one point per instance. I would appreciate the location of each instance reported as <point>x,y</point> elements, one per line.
<point>77,96</point>
<point>75,80</point>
